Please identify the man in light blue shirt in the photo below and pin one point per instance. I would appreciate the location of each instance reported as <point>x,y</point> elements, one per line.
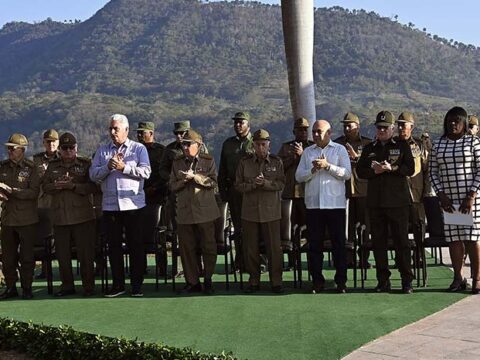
<point>121,168</point>
<point>324,168</point>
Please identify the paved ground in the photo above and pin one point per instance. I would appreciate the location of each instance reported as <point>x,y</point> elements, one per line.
<point>453,333</point>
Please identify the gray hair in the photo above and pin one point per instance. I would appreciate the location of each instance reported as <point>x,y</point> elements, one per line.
<point>120,118</point>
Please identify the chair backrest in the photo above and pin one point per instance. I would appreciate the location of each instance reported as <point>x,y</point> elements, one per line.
<point>286,223</point>
<point>221,222</point>
<point>434,216</point>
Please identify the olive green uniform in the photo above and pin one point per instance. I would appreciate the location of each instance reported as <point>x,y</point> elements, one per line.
<point>388,201</point>
<point>73,218</point>
<point>418,184</point>
<point>233,149</point>
<point>19,221</point>
<point>261,214</point>
<point>293,190</point>
<point>356,191</point>
<point>197,210</point>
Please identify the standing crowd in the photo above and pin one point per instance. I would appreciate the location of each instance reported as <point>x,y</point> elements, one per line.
<point>333,184</point>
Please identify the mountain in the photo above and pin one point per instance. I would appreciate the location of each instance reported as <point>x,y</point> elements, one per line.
<point>175,59</point>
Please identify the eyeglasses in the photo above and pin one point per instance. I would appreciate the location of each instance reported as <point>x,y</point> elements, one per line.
<point>67,147</point>
<point>182,133</point>
<point>12,148</point>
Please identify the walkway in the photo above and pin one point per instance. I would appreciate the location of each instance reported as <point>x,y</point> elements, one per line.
<point>453,333</point>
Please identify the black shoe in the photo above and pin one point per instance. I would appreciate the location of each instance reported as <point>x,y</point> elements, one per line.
<point>318,287</point>
<point>250,289</point>
<point>27,294</point>
<point>191,289</point>
<point>114,292</point>
<point>63,293</point>
<point>208,287</point>
<point>9,293</point>
<point>384,286</point>
<point>136,293</point>
<point>475,288</point>
<point>407,288</point>
<point>457,285</point>
<point>341,289</point>
<point>277,289</point>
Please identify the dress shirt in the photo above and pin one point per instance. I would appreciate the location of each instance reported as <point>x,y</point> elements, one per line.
<point>325,189</point>
<point>122,190</point>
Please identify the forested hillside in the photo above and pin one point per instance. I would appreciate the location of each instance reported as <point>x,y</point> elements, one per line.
<point>176,59</point>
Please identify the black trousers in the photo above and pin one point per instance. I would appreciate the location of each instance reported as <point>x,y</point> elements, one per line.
<point>381,219</point>
<point>318,221</point>
<point>130,221</point>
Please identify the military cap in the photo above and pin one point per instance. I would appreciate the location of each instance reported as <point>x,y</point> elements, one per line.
<point>242,115</point>
<point>301,123</point>
<point>146,125</point>
<point>406,117</point>
<point>351,117</point>
<point>67,139</point>
<point>50,134</point>
<point>472,120</point>
<point>261,135</point>
<point>384,118</point>
<point>17,140</point>
<point>181,126</point>
<point>192,136</point>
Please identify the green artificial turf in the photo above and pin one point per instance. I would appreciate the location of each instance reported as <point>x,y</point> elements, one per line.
<point>296,325</point>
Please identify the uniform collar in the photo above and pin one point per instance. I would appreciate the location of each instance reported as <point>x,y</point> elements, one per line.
<point>248,137</point>
<point>267,159</point>
<point>126,144</point>
<point>330,143</point>
<point>390,141</point>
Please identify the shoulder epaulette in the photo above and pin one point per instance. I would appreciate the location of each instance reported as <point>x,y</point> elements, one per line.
<point>158,146</point>
<point>275,157</point>
<point>55,160</point>
<point>4,162</point>
<point>179,156</point>
<point>247,156</point>
<point>84,159</point>
<point>40,154</point>
<point>205,156</point>
<point>28,162</point>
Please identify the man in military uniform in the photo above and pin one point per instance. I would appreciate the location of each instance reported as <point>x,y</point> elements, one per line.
<point>418,182</point>
<point>41,161</point>
<point>260,178</point>
<point>290,153</point>
<point>386,164</point>
<point>472,125</point>
<point>193,179</point>
<point>233,149</point>
<point>20,185</point>
<point>155,189</point>
<point>73,215</point>
<point>356,188</point>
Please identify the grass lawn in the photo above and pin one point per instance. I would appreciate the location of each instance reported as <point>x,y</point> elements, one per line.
<point>296,325</point>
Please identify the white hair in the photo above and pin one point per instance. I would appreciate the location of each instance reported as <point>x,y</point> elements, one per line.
<point>120,118</point>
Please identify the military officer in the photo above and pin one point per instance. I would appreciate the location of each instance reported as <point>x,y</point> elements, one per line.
<point>418,182</point>
<point>73,215</point>
<point>155,189</point>
<point>387,163</point>
<point>472,125</point>
<point>41,161</point>
<point>261,179</point>
<point>20,185</point>
<point>356,188</point>
<point>290,153</point>
<point>233,149</point>
<point>193,180</point>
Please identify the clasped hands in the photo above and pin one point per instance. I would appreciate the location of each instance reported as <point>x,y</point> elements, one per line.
<point>319,164</point>
<point>381,167</point>
<point>116,162</point>
<point>64,183</point>
<point>187,175</point>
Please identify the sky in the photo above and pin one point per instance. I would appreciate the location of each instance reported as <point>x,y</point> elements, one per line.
<point>431,14</point>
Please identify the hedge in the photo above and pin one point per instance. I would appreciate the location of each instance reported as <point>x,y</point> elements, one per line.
<point>62,343</point>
